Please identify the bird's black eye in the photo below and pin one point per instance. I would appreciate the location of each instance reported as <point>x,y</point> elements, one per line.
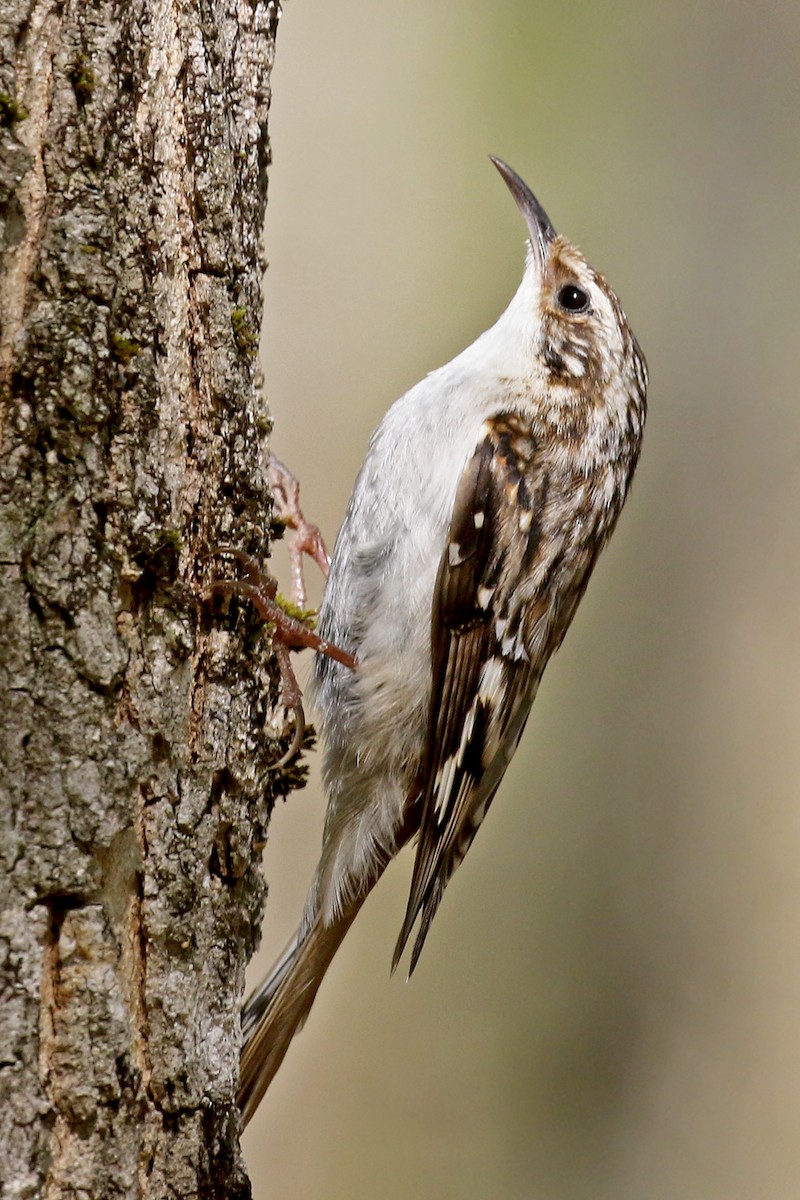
<point>573,298</point>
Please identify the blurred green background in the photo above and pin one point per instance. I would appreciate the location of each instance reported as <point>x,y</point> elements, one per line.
<point>608,1007</point>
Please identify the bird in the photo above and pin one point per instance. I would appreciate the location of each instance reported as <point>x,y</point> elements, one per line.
<point>487,493</point>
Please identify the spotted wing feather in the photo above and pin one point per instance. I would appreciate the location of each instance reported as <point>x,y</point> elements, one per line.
<point>483,680</point>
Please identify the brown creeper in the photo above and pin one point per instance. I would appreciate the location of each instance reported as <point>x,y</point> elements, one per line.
<point>486,496</point>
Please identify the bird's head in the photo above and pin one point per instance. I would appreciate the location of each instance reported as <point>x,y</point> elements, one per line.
<point>580,338</point>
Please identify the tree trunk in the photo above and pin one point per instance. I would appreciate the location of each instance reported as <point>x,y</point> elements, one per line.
<point>137,731</point>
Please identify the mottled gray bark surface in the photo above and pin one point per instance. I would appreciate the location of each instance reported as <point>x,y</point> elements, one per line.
<point>137,732</point>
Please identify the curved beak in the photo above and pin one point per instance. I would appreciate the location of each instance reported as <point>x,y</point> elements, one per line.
<point>539,225</point>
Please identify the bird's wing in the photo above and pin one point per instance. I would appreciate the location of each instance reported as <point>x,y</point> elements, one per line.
<point>483,679</point>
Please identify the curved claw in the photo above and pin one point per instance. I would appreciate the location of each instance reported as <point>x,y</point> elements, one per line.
<point>297,739</point>
<point>303,537</point>
<point>261,588</point>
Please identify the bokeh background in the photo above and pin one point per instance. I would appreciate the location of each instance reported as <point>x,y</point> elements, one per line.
<point>608,1007</point>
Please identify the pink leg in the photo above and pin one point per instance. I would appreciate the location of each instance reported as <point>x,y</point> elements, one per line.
<point>303,537</point>
<point>261,589</point>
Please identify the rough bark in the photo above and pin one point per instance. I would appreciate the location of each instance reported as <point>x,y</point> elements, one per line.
<point>137,731</point>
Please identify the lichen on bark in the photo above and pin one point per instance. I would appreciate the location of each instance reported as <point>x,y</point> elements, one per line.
<point>138,733</point>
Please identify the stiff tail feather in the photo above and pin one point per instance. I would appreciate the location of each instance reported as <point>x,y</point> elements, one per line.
<point>277,1010</point>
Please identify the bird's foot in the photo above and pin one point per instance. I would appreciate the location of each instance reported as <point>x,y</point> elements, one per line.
<point>302,537</point>
<point>292,630</point>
